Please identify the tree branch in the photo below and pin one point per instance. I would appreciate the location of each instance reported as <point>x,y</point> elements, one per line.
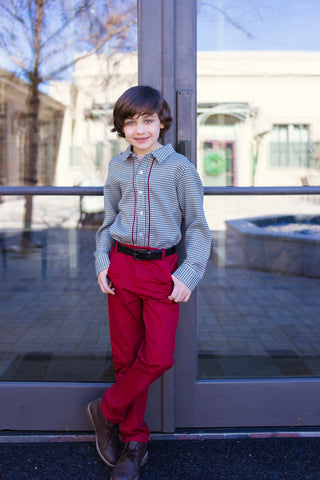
<point>227,17</point>
<point>80,57</point>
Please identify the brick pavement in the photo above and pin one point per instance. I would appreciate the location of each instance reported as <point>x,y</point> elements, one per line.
<point>250,323</point>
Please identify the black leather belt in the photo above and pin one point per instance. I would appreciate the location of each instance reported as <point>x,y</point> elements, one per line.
<point>143,254</point>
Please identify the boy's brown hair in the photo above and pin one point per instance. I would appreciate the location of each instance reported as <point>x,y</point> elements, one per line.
<point>141,100</point>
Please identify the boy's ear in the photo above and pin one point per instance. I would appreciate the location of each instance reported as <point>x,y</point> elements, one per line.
<point>161,126</point>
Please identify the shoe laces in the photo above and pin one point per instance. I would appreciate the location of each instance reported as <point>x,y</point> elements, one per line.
<point>129,453</point>
<point>113,436</point>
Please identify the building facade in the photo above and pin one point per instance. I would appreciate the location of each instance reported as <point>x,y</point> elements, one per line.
<point>14,119</point>
<point>258,113</point>
<point>257,121</point>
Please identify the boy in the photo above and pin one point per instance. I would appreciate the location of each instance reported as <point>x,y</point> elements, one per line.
<point>150,189</point>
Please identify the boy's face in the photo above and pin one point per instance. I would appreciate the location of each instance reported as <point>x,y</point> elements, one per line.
<point>142,132</point>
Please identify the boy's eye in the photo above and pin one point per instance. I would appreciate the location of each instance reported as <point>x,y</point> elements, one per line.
<point>149,120</point>
<point>129,122</point>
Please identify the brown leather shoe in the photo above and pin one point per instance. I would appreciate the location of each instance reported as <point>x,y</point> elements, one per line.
<point>107,436</point>
<point>133,456</point>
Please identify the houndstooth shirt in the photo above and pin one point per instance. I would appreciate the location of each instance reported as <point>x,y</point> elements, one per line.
<point>145,202</point>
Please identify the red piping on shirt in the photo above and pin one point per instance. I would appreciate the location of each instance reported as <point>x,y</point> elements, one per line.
<point>149,201</point>
<point>149,206</point>
<point>134,193</point>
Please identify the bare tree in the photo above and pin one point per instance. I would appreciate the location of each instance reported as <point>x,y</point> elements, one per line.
<point>43,39</point>
<point>232,11</point>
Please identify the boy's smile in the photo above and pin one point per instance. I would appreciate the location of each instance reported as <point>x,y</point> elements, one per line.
<point>142,132</point>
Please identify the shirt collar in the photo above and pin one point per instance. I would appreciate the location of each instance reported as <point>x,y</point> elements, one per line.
<point>159,154</point>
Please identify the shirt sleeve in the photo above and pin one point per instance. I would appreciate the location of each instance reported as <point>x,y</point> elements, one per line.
<point>104,241</point>
<point>197,234</point>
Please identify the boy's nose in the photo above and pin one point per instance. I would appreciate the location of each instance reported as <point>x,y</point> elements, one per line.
<point>140,127</point>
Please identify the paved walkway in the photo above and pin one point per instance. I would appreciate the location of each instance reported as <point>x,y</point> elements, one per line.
<point>258,324</point>
<point>250,323</point>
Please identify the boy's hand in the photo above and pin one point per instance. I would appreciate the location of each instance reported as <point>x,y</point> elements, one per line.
<point>180,292</point>
<point>104,282</point>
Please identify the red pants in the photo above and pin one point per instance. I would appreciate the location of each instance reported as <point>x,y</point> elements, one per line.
<point>143,323</point>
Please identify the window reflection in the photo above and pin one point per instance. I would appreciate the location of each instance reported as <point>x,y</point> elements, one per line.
<point>290,147</point>
<point>258,305</point>
<point>257,90</point>
<point>53,318</point>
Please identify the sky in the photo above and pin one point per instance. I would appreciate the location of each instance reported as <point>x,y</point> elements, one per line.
<point>260,25</point>
<point>256,25</point>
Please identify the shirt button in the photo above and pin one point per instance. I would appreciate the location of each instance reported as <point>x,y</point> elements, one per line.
<point>140,234</point>
<point>141,213</point>
<point>141,172</point>
<point>140,192</point>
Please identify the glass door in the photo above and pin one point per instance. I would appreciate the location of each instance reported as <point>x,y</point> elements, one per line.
<point>248,341</point>
<point>55,353</point>
<point>55,344</point>
<point>257,333</point>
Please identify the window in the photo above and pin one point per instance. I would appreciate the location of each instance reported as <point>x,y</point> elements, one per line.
<point>75,156</point>
<point>99,153</point>
<point>289,146</point>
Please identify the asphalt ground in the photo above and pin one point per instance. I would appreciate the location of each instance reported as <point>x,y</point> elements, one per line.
<point>230,459</point>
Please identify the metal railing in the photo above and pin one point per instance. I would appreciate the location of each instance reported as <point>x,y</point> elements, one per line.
<point>95,191</point>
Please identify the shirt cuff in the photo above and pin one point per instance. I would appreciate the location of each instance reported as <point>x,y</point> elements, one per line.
<point>102,262</point>
<point>187,275</point>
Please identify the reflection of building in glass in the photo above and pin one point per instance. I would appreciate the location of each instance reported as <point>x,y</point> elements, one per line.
<point>258,118</point>
<point>260,111</point>
<point>218,141</point>
<point>14,120</point>
<point>87,141</point>
<point>258,121</point>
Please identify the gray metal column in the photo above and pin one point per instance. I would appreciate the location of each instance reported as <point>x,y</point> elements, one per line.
<point>167,61</point>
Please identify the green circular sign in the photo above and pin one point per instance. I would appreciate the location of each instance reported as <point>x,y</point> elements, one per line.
<point>214,162</point>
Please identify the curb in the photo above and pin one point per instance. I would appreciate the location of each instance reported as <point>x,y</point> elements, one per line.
<point>79,438</point>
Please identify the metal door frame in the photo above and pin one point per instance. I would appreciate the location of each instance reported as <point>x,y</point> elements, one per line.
<point>250,403</point>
